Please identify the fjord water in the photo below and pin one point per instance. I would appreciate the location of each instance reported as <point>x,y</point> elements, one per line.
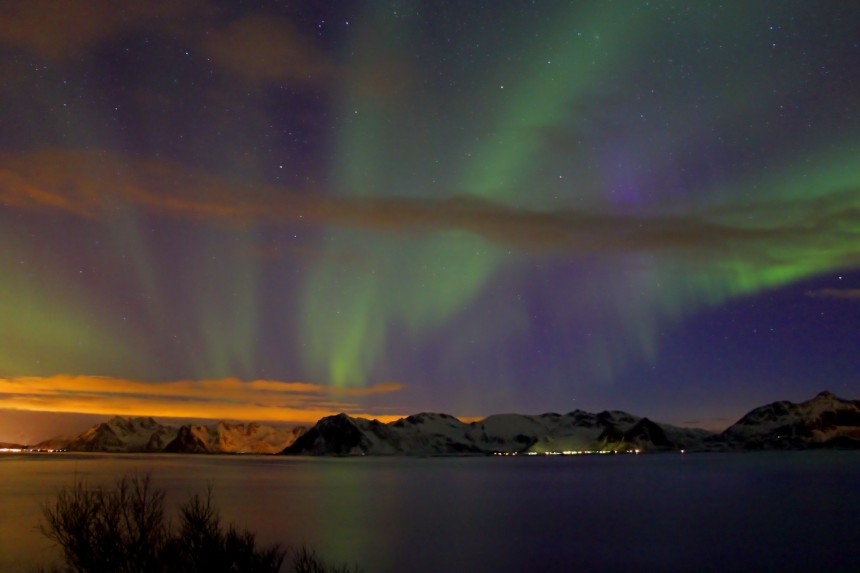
<point>779,511</point>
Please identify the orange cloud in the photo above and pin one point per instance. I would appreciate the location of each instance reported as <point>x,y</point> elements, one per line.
<point>265,49</point>
<point>228,398</point>
<point>259,48</point>
<point>839,293</point>
<point>69,29</point>
<point>86,183</point>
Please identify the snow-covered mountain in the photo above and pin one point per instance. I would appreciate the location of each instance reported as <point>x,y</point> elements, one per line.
<point>441,434</point>
<point>119,434</point>
<point>125,434</point>
<point>233,438</point>
<point>824,421</point>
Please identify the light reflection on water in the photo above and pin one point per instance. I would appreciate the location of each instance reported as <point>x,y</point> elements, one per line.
<point>707,512</point>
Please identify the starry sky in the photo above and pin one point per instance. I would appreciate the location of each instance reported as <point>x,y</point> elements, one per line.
<point>275,211</point>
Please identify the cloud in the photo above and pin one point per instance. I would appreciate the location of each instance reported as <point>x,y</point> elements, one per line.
<point>228,398</point>
<point>843,294</point>
<point>86,183</point>
<point>70,29</point>
<point>817,232</point>
<point>265,49</point>
<point>259,48</point>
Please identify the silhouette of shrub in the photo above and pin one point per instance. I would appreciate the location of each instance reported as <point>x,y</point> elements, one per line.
<point>305,560</point>
<point>123,529</point>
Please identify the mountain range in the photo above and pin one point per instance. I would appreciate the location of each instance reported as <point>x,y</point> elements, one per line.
<point>441,434</point>
<point>125,434</point>
<point>825,421</point>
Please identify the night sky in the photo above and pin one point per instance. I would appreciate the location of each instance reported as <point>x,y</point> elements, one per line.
<point>278,211</point>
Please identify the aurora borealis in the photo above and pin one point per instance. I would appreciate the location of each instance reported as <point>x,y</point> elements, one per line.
<point>275,211</point>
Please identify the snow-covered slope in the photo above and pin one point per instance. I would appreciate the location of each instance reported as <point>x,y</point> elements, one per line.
<point>11,446</point>
<point>422,434</point>
<point>123,434</point>
<point>233,438</point>
<point>826,420</point>
<point>53,444</point>
<point>441,434</point>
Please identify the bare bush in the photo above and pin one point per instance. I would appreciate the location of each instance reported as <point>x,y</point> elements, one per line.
<point>306,560</point>
<point>120,529</point>
<point>123,530</point>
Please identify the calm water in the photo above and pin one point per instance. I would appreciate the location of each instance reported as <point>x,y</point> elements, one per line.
<point>706,512</point>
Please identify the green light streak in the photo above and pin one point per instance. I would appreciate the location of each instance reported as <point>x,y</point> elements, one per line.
<point>417,286</point>
<point>542,95</point>
<point>225,288</point>
<point>421,283</point>
<point>50,326</point>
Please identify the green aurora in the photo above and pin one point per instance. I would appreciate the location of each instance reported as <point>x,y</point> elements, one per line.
<point>501,207</point>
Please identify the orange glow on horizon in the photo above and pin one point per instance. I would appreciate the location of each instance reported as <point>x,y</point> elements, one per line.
<point>228,398</point>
